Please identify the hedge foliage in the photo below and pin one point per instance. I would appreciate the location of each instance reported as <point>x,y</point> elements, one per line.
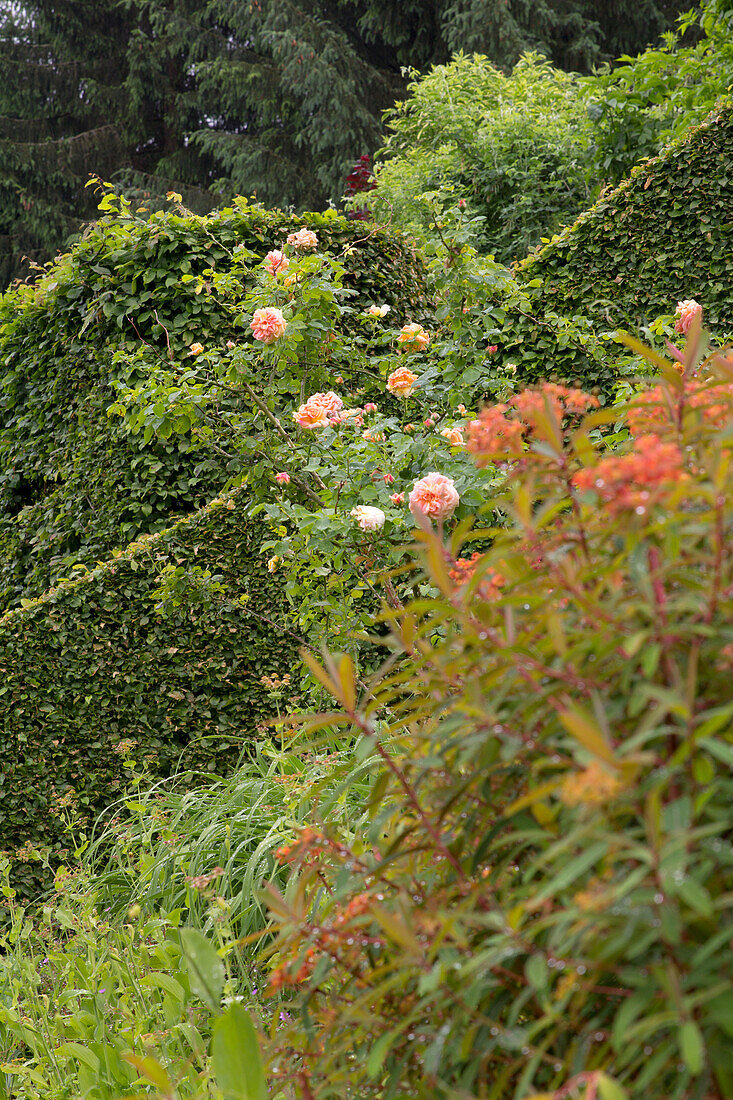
<point>94,673</point>
<point>662,235</point>
<point>73,484</point>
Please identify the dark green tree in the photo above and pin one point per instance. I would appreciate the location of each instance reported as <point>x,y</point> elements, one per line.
<point>216,97</point>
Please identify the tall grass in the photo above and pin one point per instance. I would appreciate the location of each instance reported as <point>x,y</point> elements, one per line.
<point>158,848</point>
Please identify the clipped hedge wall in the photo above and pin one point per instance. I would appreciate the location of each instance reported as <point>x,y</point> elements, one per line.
<point>73,484</point>
<point>91,664</point>
<point>664,234</point>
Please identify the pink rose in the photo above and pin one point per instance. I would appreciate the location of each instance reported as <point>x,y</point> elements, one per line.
<point>492,349</point>
<point>388,479</point>
<point>268,324</point>
<point>434,496</point>
<point>282,478</point>
<point>319,410</point>
<point>429,422</point>
<point>303,241</point>
<point>686,313</point>
<point>370,407</point>
<point>276,263</point>
<point>397,498</point>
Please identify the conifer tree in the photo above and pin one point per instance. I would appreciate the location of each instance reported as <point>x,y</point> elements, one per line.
<point>217,97</point>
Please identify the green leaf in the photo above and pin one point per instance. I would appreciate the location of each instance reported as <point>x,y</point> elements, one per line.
<point>610,1089</point>
<point>82,1053</point>
<point>691,1046</point>
<point>205,968</point>
<point>235,1057</point>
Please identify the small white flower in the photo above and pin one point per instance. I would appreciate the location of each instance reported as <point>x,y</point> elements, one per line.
<point>368,518</point>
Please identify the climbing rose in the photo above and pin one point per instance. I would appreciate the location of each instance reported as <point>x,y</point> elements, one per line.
<point>276,263</point>
<point>454,436</point>
<point>268,324</point>
<point>318,410</point>
<point>413,337</point>
<point>378,311</point>
<point>402,381</point>
<point>196,349</point>
<point>282,478</point>
<point>435,496</point>
<point>303,241</point>
<point>368,518</point>
<point>685,314</point>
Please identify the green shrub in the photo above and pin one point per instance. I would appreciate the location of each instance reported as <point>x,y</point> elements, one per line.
<point>663,235</point>
<point>95,675</point>
<point>646,101</point>
<point>513,148</point>
<point>73,485</point>
<point>542,904</point>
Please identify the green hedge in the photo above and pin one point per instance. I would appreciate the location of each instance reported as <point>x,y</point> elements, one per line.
<point>73,484</point>
<point>91,664</point>
<point>664,234</point>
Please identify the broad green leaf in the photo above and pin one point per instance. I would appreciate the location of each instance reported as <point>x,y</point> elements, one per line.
<point>235,1056</point>
<point>205,968</point>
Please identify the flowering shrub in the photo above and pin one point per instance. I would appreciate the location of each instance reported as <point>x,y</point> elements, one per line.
<point>335,429</point>
<point>542,905</point>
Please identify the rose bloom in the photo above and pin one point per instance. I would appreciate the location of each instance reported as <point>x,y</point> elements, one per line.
<point>268,324</point>
<point>276,263</point>
<point>282,478</point>
<point>196,349</point>
<point>434,496</point>
<point>492,349</point>
<point>378,311</point>
<point>413,337</point>
<point>368,518</point>
<point>303,241</point>
<point>370,407</point>
<point>397,498</point>
<point>273,563</point>
<point>685,314</point>
<point>454,436</point>
<point>319,410</point>
<point>402,381</point>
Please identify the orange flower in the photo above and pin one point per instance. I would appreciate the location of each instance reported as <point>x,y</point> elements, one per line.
<point>413,337</point>
<point>402,381</point>
<point>633,481</point>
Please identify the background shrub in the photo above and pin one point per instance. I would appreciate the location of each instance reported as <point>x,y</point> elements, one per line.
<point>617,268</point>
<point>513,148</point>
